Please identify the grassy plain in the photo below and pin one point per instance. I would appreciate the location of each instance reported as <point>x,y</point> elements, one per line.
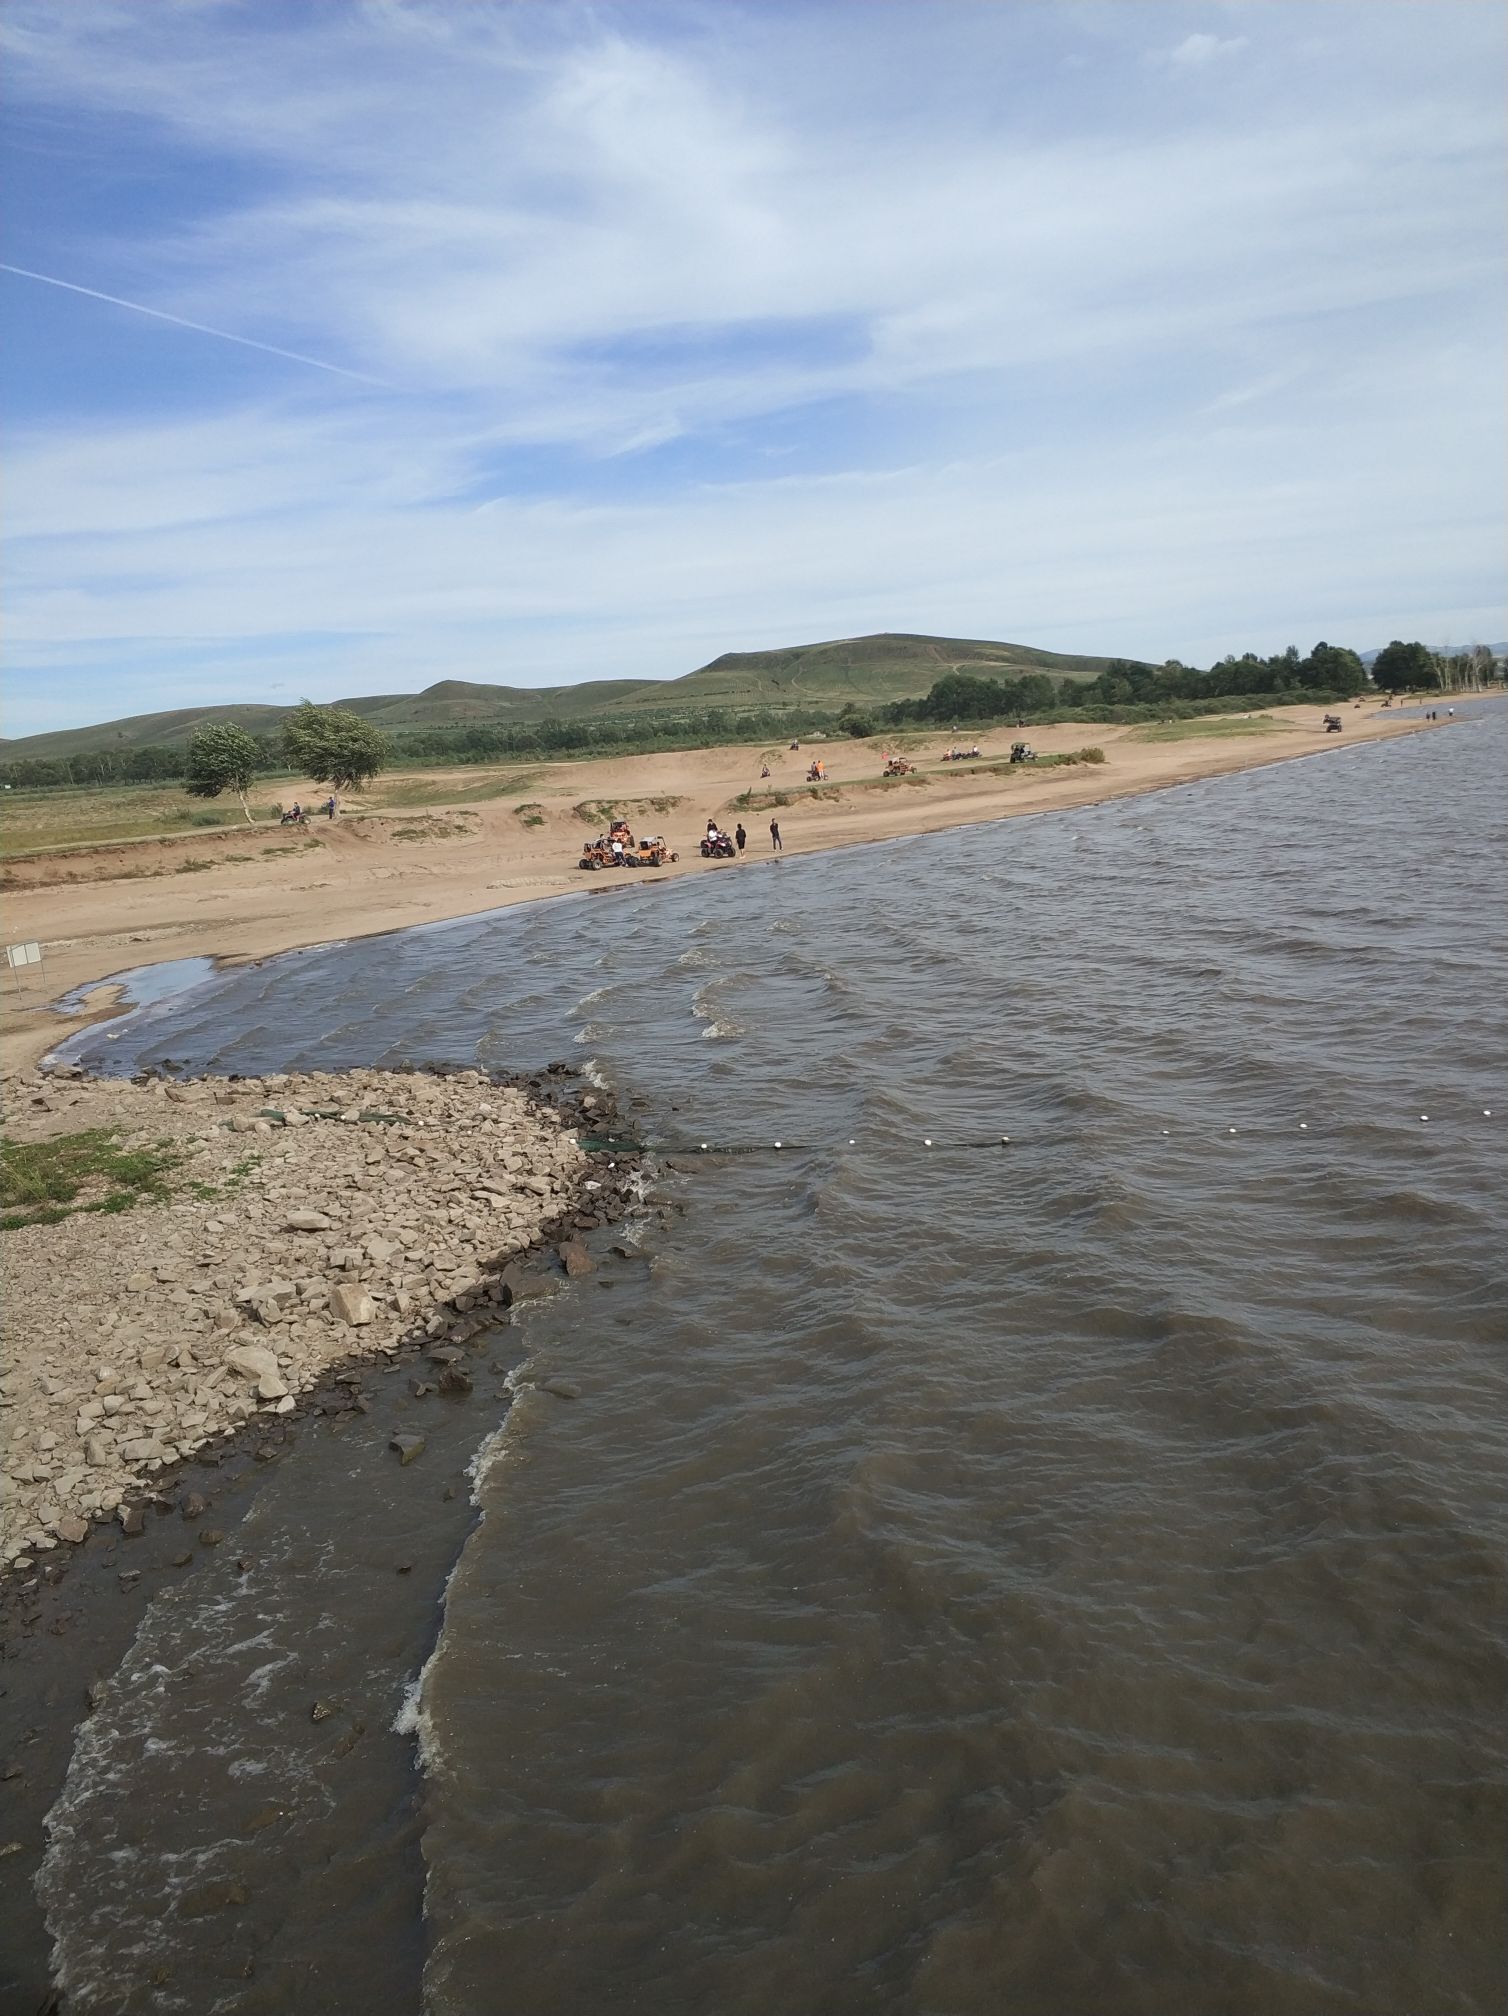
<point>1223,729</point>
<point>96,816</point>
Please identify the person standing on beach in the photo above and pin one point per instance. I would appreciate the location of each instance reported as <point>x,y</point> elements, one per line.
<point>775,842</point>
<point>330,806</point>
<point>740,836</point>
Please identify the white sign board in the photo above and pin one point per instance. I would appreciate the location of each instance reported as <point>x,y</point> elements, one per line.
<point>23,955</point>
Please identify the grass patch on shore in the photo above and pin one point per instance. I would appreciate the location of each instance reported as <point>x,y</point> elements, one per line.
<point>600,812</point>
<point>1207,730</point>
<point>771,801</point>
<point>531,813</point>
<point>400,793</point>
<point>43,1182</point>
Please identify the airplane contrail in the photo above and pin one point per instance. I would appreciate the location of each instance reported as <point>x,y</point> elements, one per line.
<point>201,328</point>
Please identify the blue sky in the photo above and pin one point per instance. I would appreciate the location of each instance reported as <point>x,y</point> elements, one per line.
<point>624,336</point>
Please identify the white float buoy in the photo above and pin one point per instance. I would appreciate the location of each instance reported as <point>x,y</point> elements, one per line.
<point>1230,1130</point>
<point>926,1143</point>
<point>1423,1116</point>
<point>704,1147</point>
<point>850,1144</point>
<point>1303,1126</point>
<point>777,1144</point>
<point>1005,1140</point>
<point>1486,1112</point>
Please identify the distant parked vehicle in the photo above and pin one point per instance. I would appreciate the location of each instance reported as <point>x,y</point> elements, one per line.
<point>1023,752</point>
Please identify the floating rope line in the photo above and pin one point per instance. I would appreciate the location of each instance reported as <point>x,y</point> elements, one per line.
<point>612,1144</point>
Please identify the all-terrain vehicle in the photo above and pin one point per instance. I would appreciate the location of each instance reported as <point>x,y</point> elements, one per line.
<point>1023,752</point>
<point>718,847</point>
<point>897,766</point>
<point>1332,724</point>
<point>816,771</point>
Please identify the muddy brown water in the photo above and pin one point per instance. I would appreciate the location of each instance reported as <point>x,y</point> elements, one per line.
<point>1063,1574</point>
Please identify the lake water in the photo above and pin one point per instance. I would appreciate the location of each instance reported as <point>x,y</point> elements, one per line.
<point>1061,1574</point>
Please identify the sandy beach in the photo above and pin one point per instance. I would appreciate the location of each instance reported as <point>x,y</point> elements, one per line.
<point>243,894</point>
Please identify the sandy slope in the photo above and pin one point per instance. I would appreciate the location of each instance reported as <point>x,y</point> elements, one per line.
<point>135,903</point>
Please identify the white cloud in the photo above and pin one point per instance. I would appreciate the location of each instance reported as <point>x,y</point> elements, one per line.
<point>1195,51</point>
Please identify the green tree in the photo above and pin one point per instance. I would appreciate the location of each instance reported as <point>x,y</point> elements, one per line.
<point>221,757</point>
<point>1333,669</point>
<point>1401,667</point>
<point>852,722</point>
<point>334,746</point>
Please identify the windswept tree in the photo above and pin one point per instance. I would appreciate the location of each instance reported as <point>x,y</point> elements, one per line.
<point>221,757</point>
<point>334,746</point>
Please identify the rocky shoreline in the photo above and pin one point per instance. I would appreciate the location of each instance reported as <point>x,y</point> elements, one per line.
<point>310,1223</point>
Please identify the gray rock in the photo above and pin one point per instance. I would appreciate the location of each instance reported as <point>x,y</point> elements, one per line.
<point>563,1389</point>
<point>254,1362</point>
<point>575,1259</point>
<point>307,1221</point>
<point>408,1447</point>
<point>350,1303</point>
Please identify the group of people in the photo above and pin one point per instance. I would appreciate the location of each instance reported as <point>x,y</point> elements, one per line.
<point>297,816</point>
<point>740,838</point>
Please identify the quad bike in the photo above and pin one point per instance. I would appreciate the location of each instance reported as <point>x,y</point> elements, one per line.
<point>897,766</point>
<point>718,847</point>
<point>816,771</point>
<point>1332,724</point>
<point>1023,752</point>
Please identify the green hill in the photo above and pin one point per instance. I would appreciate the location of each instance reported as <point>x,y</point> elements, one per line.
<point>889,666</point>
<point>864,670</point>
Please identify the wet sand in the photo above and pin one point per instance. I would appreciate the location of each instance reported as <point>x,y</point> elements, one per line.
<point>102,910</point>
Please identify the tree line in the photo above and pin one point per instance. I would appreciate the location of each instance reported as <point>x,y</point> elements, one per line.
<point>332,745</point>
<point>1130,688</point>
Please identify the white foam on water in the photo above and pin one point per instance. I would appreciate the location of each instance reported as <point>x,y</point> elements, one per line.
<point>411,1718</point>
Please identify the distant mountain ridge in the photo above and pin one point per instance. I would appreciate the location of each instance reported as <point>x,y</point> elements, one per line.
<point>863,670</point>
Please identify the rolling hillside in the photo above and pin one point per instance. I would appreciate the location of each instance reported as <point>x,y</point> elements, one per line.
<point>890,666</point>
<point>858,669</point>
